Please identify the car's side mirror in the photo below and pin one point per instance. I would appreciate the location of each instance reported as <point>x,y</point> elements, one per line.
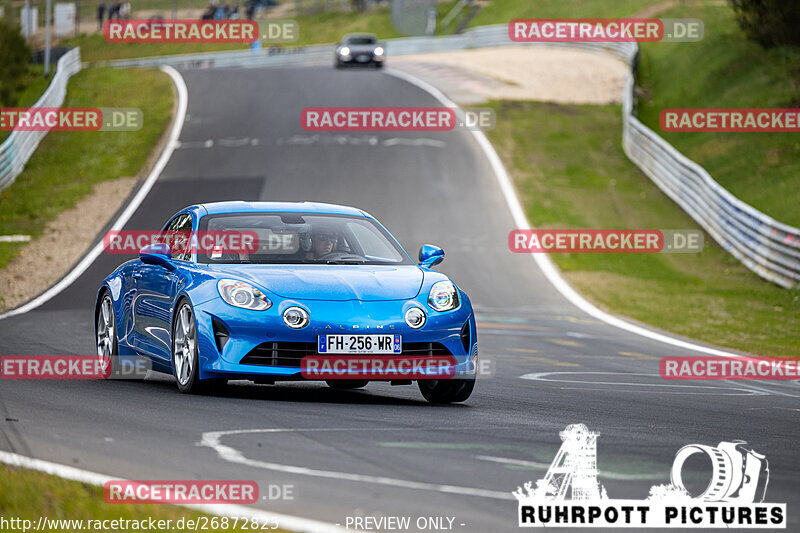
<point>430,255</point>
<point>157,254</point>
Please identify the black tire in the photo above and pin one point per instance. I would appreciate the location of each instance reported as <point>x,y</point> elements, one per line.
<point>446,390</point>
<point>347,384</point>
<point>107,354</point>
<point>379,65</point>
<point>189,381</point>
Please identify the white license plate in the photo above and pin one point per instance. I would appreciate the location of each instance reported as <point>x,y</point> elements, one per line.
<point>359,344</point>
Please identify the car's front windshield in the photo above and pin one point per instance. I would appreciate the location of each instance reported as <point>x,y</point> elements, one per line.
<point>296,238</point>
<point>360,40</point>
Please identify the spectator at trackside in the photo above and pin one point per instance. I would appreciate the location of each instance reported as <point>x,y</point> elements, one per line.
<point>113,11</point>
<point>208,14</point>
<point>101,10</point>
<point>251,9</point>
<point>125,10</point>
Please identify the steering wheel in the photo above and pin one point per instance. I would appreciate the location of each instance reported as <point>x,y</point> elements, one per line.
<point>340,256</point>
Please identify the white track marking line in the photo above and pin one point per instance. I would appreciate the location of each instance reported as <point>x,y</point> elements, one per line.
<point>544,262</point>
<point>213,440</point>
<point>292,523</point>
<point>133,205</point>
<point>542,376</point>
<point>15,238</point>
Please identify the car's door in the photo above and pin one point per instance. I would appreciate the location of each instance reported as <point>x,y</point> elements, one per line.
<point>155,292</point>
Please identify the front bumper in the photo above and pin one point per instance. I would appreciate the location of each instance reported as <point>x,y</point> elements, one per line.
<point>360,59</point>
<point>227,335</point>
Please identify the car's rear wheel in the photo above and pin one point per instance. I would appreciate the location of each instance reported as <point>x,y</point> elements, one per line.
<point>184,350</point>
<point>106,335</point>
<point>446,390</point>
<point>347,384</point>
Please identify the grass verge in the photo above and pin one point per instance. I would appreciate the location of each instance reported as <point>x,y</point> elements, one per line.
<point>707,296</point>
<point>66,165</point>
<point>725,70</point>
<point>94,48</point>
<point>503,11</point>
<point>29,495</point>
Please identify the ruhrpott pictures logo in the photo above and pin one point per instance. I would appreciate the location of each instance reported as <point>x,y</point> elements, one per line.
<point>733,498</point>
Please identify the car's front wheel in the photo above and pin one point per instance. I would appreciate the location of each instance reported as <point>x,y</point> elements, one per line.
<point>446,390</point>
<point>184,350</point>
<point>106,335</point>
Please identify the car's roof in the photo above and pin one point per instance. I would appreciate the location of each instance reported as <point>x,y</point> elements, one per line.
<point>214,208</point>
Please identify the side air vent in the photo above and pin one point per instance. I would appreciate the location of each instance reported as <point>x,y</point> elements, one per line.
<point>221,334</point>
<point>465,337</point>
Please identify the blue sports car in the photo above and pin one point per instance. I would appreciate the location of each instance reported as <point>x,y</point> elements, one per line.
<point>317,282</point>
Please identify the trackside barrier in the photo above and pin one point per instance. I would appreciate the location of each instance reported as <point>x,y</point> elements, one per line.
<point>17,149</point>
<point>767,247</point>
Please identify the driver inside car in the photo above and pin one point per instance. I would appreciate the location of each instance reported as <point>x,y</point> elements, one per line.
<point>323,242</point>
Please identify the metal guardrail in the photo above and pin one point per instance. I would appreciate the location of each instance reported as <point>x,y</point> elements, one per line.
<point>767,247</point>
<point>17,149</point>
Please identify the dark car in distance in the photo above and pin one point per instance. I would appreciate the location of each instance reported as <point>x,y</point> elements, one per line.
<point>360,49</point>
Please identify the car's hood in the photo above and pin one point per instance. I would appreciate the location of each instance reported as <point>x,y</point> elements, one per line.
<point>331,282</point>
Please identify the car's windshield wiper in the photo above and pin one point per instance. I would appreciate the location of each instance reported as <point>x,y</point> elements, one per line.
<point>343,262</point>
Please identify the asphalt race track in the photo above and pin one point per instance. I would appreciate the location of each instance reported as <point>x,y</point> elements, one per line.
<point>383,450</point>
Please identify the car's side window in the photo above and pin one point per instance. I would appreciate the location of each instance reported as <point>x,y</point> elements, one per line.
<point>183,225</point>
<point>180,226</point>
<point>172,224</point>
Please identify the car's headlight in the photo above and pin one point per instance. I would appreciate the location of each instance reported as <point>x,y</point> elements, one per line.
<point>443,296</point>
<point>415,317</point>
<point>345,51</point>
<point>378,50</point>
<point>244,295</point>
